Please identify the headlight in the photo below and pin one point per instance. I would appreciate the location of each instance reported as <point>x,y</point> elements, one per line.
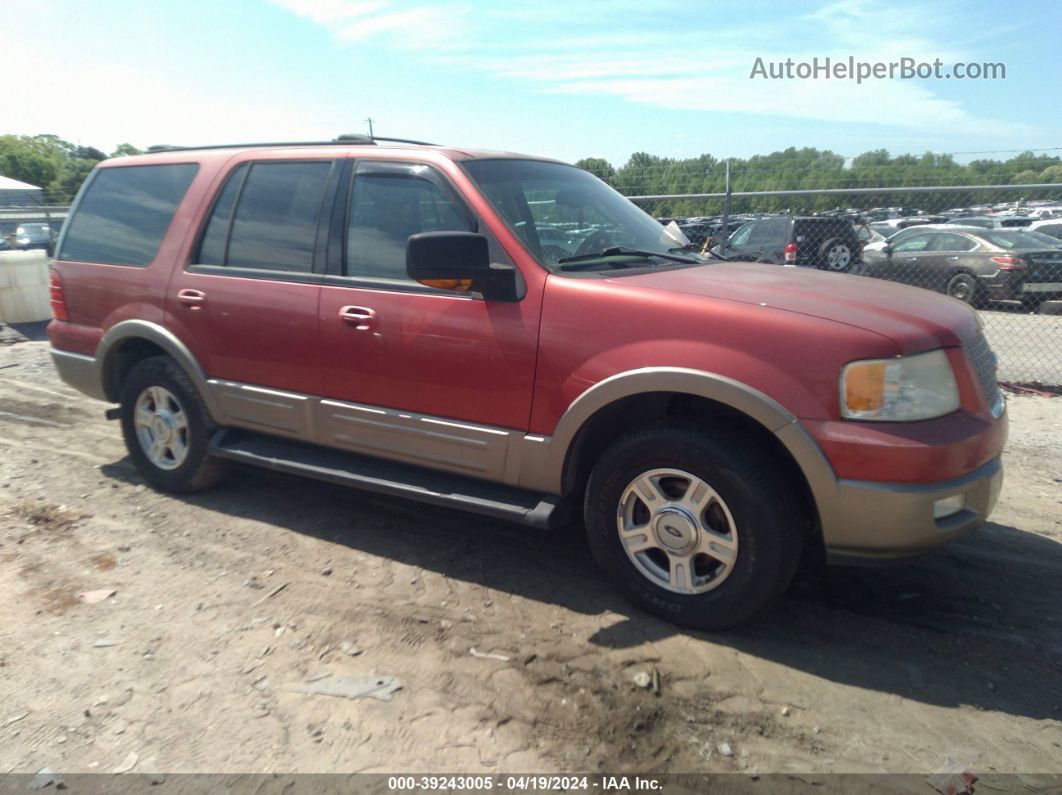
<point>902,389</point>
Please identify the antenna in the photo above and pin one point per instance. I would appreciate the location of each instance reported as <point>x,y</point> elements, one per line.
<point>369,120</point>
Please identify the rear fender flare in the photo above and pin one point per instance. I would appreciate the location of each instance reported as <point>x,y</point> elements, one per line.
<point>122,332</point>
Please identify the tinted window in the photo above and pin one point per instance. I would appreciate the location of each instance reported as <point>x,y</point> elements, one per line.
<point>124,213</point>
<point>1054,230</point>
<point>913,244</point>
<point>777,230</point>
<point>384,212</point>
<point>276,217</point>
<point>950,242</point>
<point>212,249</point>
<point>741,236</point>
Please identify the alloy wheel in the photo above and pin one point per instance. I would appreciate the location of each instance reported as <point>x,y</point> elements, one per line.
<point>161,427</point>
<point>838,257</point>
<point>677,531</point>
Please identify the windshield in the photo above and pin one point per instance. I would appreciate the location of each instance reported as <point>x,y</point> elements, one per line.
<point>33,229</point>
<point>561,211</point>
<point>1020,240</point>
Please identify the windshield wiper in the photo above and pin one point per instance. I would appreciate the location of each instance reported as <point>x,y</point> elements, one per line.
<point>613,251</point>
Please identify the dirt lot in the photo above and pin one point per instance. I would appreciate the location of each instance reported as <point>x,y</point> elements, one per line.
<point>191,664</point>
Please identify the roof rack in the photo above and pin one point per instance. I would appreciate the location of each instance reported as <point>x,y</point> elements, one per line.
<point>346,139</point>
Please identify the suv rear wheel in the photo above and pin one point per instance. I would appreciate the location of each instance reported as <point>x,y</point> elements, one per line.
<point>167,428</point>
<point>693,523</point>
<point>835,255</point>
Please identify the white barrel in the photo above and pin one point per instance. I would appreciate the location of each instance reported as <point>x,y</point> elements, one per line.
<point>24,295</point>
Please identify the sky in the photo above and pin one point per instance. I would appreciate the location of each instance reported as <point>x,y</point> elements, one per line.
<point>601,78</point>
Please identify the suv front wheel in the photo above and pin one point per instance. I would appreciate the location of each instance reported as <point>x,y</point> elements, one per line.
<point>167,428</point>
<point>693,523</point>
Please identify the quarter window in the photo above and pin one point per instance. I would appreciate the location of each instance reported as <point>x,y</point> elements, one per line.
<point>384,212</point>
<point>124,213</point>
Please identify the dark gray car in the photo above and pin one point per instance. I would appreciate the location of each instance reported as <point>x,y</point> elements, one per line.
<point>31,236</point>
<point>973,264</point>
<point>811,241</point>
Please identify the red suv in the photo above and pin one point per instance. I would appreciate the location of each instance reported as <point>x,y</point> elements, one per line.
<point>509,336</point>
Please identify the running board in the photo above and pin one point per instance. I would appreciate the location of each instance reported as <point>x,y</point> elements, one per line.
<point>394,479</point>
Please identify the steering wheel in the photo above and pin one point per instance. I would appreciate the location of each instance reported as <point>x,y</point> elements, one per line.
<point>595,241</point>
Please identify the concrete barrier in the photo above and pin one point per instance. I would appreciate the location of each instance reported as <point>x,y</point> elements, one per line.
<point>24,296</point>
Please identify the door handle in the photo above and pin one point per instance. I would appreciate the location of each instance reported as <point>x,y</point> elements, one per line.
<point>360,317</point>
<point>953,259</point>
<point>193,299</point>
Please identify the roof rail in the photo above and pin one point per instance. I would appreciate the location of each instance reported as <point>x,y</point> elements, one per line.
<point>346,139</point>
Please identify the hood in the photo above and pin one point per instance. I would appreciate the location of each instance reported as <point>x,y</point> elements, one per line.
<point>914,318</point>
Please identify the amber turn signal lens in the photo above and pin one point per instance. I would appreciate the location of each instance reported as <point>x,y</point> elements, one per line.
<point>457,285</point>
<point>864,386</point>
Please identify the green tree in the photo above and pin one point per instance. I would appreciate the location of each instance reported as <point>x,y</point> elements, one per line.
<point>125,150</point>
<point>597,166</point>
<point>65,186</point>
<point>29,160</point>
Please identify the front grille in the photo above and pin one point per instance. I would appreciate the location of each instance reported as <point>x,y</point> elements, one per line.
<point>983,361</point>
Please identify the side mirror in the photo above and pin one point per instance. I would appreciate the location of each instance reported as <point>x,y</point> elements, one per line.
<point>458,261</point>
<point>886,250</point>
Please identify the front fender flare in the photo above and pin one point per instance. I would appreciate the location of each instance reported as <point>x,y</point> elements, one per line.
<point>544,459</point>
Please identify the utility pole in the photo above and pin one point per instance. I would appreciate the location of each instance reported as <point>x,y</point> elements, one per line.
<point>369,120</point>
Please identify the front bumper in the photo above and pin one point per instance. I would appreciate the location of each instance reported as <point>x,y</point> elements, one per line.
<point>871,521</point>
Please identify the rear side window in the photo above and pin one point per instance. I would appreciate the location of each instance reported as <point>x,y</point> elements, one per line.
<point>266,217</point>
<point>950,242</point>
<point>777,230</point>
<point>125,212</point>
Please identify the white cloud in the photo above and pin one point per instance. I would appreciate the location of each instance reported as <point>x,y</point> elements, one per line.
<point>103,105</point>
<point>689,64</point>
<point>434,27</point>
<point>324,12</point>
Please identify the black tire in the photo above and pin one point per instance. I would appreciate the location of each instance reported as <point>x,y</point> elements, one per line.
<point>842,250</point>
<point>199,470</point>
<point>757,492</point>
<point>967,288</point>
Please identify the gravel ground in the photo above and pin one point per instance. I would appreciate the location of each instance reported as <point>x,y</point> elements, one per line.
<point>1029,347</point>
<point>511,652</point>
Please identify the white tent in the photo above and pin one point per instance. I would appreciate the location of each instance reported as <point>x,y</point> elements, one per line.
<point>14,193</point>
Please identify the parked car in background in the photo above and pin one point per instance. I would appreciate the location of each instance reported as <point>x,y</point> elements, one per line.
<point>709,232</point>
<point>818,242</point>
<point>973,264</point>
<point>890,227</point>
<point>1049,226</point>
<point>993,221</point>
<point>33,236</point>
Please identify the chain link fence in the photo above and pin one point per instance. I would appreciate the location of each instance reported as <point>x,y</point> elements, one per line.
<point>995,247</point>
<point>29,222</point>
